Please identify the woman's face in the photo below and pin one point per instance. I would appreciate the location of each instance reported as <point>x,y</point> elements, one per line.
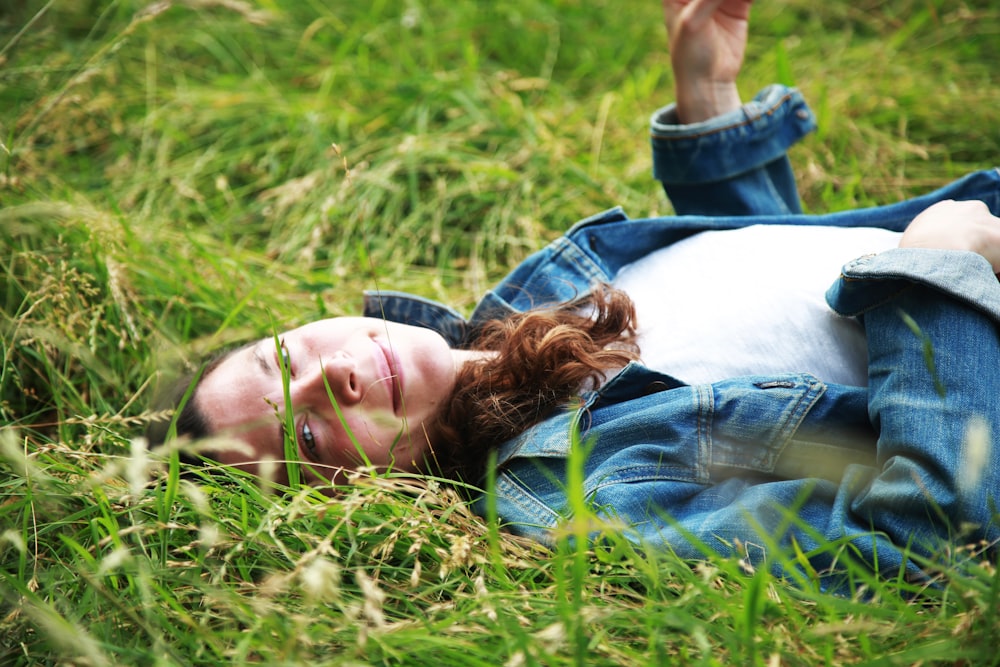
<point>388,380</point>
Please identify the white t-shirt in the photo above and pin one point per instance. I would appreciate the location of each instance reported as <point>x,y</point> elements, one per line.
<point>751,301</point>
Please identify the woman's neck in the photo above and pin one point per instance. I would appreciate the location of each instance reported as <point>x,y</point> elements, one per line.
<point>463,357</point>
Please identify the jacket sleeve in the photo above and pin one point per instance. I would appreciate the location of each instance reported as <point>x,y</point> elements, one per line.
<point>736,163</point>
<point>934,399</point>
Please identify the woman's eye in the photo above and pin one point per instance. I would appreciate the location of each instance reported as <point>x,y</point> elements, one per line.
<point>286,359</point>
<point>308,439</point>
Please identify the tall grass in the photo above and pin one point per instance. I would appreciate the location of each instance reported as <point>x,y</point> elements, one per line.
<point>178,175</point>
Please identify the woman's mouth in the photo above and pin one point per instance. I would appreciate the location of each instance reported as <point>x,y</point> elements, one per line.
<point>392,366</point>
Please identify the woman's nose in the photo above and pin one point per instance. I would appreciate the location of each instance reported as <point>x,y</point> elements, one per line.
<point>340,373</point>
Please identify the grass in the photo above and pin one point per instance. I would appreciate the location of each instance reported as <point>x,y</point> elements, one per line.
<point>178,175</point>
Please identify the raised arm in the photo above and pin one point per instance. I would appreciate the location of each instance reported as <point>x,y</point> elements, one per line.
<point>707,42</point>
<point>714,154</point>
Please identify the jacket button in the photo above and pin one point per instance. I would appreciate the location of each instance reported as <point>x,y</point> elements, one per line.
<point>654,388</point>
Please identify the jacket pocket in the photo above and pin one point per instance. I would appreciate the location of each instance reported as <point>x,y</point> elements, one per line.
<point>786,427</point>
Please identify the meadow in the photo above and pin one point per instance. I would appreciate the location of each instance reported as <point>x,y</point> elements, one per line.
<point>177,175</point>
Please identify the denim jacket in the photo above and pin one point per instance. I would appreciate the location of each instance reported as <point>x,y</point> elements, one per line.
<point>753,466</point>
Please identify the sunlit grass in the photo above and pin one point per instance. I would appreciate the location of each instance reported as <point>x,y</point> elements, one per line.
<point>176,176</point>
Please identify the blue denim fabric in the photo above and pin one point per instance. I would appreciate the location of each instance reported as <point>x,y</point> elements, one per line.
<point>749,465</point>
<point>734,164</point>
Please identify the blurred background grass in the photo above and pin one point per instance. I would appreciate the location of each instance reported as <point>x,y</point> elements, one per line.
<point>178,174</point>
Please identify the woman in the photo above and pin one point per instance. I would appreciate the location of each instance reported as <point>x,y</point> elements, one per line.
<point>734,409</point>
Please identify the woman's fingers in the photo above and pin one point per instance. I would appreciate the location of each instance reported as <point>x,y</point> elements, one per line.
<point>707,43</point>
<point>956,225</point>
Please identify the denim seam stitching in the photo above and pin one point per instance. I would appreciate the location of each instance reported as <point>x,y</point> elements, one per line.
<point>748,120</point>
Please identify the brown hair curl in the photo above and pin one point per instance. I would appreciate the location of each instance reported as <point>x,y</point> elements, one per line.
<point>543,358</point>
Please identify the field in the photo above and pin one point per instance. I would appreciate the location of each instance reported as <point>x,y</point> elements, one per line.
<point>183,174</point>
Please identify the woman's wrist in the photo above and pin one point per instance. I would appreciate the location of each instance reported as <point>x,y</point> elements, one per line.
<point>700,102</point>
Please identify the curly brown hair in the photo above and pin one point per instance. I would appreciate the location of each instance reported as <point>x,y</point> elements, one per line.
<point>543,358</point>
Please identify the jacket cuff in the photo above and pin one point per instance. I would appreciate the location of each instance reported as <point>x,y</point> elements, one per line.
<point>734,143</point>
<point>873,280</point>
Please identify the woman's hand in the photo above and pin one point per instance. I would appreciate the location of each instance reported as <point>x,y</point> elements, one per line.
<point>707,41</point>
<point>956,225</point>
